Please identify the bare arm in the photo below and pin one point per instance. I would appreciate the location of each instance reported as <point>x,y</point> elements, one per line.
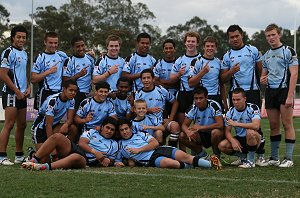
<point>152,144</point>
<point>254,125</point>
<point>218,125</point>
<point>49,123</point>
<point>292,86</point>
<point>5,78</point>
<point>130,76</point>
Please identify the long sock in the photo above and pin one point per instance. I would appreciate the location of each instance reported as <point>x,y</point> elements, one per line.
<point>3,155</point>
<point>251,153</point>
<point>275,142</point>
<point>289,149</point>
<point>200,162</point>
<point>19,154</point>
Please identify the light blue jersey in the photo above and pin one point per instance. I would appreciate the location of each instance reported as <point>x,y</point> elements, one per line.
<point>96,141</point>
<point>148,120</point>
<point>104,64</point>
<point>247,57</point>
<point>184,61</point>
<point>211,79</point>
<point>277,62</point>
<point>73,65</point>
<point>44,62</point>
<point>205,117</point>
<point>15,60</point>
<point>55,107</point>
<point>100,110</point>
<point>156,98</point>
<point>162,70</point>
<point>135,64</point>
<point>137,140</point>
<point>122,107</point>
<point>251,112</point>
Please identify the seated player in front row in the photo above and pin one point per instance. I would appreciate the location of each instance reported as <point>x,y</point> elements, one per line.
<point>96,148</point>
<point>143,149</point>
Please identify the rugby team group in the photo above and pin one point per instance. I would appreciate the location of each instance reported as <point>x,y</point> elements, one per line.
<point>140,111</point>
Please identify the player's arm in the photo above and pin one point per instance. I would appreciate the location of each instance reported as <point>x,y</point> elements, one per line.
<point>38,77</point>
<point>254,125</point>
<point>226,74</point>
<point>234,142</point>
<point>155,128</point>
<point>292,85</point>
<point>152,144</point>
<point>84,144</point>
<point>175,105</point>
<point>5,78</point>
<point>219,124</point>
<point>259,67</point>
<point>70,117</point>
<point>80,120</point>
<point>194,81</point>
<point>224,96</point>
<point>131,77</point>
<point>49,123</point>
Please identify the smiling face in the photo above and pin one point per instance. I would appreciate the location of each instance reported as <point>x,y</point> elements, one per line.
<point>123,89</point>
<point>125,131</point>
<point>101,94</point>
<point>19,40</point>
<point>210,49</point>
<point>143,46</point>
<point>140,108</point>
<point>169,51</point>
<point>191,45</point>
<point>113,49</point>
<point>79,48</point>
<point>108,130</point>
<point>51,44</point>
<point>148,81</point>
<point>70,91</point>
<point>235,39</point>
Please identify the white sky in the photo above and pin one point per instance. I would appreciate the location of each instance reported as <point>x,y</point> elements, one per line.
<point>251,15</point>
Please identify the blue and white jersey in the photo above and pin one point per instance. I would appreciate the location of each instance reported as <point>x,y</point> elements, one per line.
<point>247,57</point>
<point>156,98</point>
<point>122,107</point>
<point>251,112</point>
<point>100,110</point>
<point>44,62</point>
<point>96,141</point>
<point>162,70</point>
<point>211,79</point>
<point>15,60</point>
<point>148,120</point>
<point>277,62</point>
<point>55,107</point>
<point>135,64</point>
<point>104,64</point>
<point>74,64</point>
<point>204,117</point>
<point>137,140</point>
<point>184,61</point>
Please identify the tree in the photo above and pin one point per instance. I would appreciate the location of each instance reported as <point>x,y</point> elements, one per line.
<point>4,21</point>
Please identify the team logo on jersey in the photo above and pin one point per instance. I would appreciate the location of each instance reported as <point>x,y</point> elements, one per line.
<point>78,67</point>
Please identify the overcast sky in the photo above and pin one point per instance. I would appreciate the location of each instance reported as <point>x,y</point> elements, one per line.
<point>251,15</point>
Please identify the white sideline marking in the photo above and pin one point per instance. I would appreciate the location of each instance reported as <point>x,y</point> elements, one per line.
<point>192,177</point>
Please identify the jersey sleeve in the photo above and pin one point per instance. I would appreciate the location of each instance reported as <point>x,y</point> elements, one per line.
<point>7,58</point>
<point>292,57</point>
<point>190,114</point>
<point>68,69</point>
<point>50,109</point>
<point>157,69</point>
<point>128,64</point>
<point>225,62</point>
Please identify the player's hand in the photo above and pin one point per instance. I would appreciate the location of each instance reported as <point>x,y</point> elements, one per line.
<point>53,69</point>
<point>97,128</point>
<point>114,69</point>
<point>230,122</point>
<point>182,71</point>
<point>83,72</point>
<point>206,68</point>
<point>99,156</point>
<point>143,127</point>
<point>236,145</point>
<point>134,150</point>
<point>264,79</point>
<point>196,127</point>
<point>190,134</point>
<point>64,129</point>
<point>119,164</point>
<point>27,92</point>
<point>236,68</point>
<point>289,102</point>
<point>20,95</point>
<point>105,162</point>
<point>91,53</point>
<point>89,117</point>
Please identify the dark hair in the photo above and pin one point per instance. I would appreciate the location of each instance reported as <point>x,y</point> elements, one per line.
<point>124,79</point>
<point>143,35</point>
<point>239,90</point>
<point>200,90</point>
<point>111,120</point>
<point>150,71</point>
<point>273,26</point>
<point>102,84</point>
<point>169,41</point>
<point>51,35</point>
<point>76,39</point>
<point>234,28</point>
<point>113,37</point>
<point>210,39</point>
<point>14,30</point>
<point>69,82</point>
<point>124,121</point>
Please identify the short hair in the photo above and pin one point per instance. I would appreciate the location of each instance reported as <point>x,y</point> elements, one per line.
<point>200,90</point>
<point>192,34</point>
<point>111,120</point>
<point>113,37</point>
<point>124,79</point>
<point>51,35</point>
<point>239,90</point>
<point>149,70</point>
<point>18,28</point>
<point>234,28</point>
<point>76,39</point>
<point>169,41</point>
<point>139,101</point>
<point>273,26</point>
<point>69,82</point>
<point>102,84</point>
<point>143,35</point>
<point>210,39</point>
<point>124,121</point>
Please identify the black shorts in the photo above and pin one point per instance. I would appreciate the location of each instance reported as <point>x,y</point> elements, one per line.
<point>205,138</point>
<point>185,100</point>
<point>39,135</point>
<point>243,143</point>
<point>275,97</point>
<point>76,149</point>
<point>253,96</point>
<point>218,99</point>
<point>10,100</point>
<point>41,96</point>
<point>162,151</point>
<point>79,97</point>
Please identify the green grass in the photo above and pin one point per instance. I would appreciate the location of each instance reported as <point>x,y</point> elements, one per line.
<point>153,182</point>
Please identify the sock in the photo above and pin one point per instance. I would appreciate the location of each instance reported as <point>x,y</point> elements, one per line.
<point>216,151</point>
<point>275,142</point>
<point>36,158</point>
<point>251,153</point>
<point>48,166</point>
<point>199,162</point>
<point>203,153</point>
<point>289,148</point>
<point>240,155</point>
<point>19,154</point>
<point>3,155</point>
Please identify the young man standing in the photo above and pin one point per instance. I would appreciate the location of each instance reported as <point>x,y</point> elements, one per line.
<point>138,61</point>
<point>79,67</point>
<point>14,93</point>
<point>47,69</point>
<point>245,119</point>
<point>280,74</point>
<point>109,67</point>
<point>242,66</point>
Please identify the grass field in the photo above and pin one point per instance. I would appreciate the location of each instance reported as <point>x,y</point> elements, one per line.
<point>153,182</point>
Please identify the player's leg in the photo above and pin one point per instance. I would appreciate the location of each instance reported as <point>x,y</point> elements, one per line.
<point>217,136</point>
<point>195,144</point>
<point>158,135</point>
<point>174,129</point>
<point>19,135</point>
<point>73,161</point>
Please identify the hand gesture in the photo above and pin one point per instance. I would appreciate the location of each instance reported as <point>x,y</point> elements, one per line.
<point>206,68</point>
<point>84,71</point>
<point>114,69</point>
<point>236,68</point>
<point>264,80</point>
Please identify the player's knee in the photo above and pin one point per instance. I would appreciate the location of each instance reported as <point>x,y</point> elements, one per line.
<point>182,137</point>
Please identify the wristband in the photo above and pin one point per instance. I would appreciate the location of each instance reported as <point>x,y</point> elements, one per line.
<point>108,73</point>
